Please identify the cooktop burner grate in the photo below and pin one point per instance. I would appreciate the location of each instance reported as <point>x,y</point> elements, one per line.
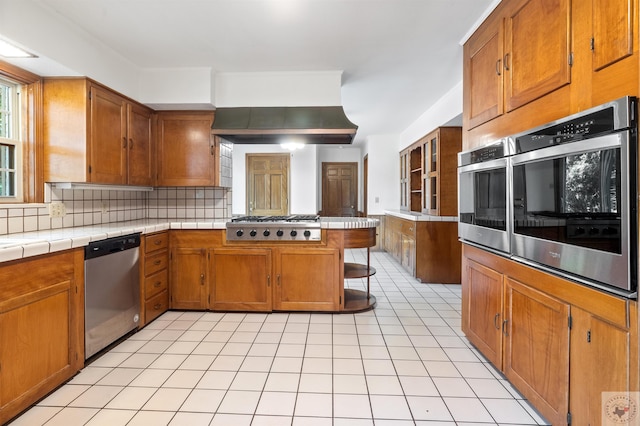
<point>290,218</point>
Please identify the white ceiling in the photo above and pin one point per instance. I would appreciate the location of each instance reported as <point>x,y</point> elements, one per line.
<point>398,57</point>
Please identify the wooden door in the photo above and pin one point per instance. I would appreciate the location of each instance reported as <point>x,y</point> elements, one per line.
<point>188,278</point>
<point>307,280</point>
<point>600,357</point>
<point>140,162</point>
<point>108,151</point>
<point>536,359</point>
<point>186,152</point>
<point>340,189</point>
<point>483,289</point>
<point>536,60</point>
<point>365,185</point>
<point>267,184</point>
<point>484,74</point>
<point>241,279</point>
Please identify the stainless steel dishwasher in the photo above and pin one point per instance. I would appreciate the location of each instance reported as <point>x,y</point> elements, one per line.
<point>112,291</point>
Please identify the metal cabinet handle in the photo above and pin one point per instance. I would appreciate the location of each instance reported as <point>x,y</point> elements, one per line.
<point>498,66</point>
<point>268,280</point>
<point>157,284</point>
<point>504,327</point>
<point>201,279</point>
<point>130,143</point>
<point>157,242</point>
<point>124,143</point>
<point>506,61</point>
<point>278,277</point>
<point>157,262</point>
<point>496,322</point>
<point>157,306</point>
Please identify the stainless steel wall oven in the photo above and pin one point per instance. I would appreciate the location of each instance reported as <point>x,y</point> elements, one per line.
<point>574,197</point>
<point>483,183</point>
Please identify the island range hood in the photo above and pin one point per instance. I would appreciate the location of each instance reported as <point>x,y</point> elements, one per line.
<point>266,125</point>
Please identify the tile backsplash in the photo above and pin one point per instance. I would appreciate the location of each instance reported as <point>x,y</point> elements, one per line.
<point>85,207</point>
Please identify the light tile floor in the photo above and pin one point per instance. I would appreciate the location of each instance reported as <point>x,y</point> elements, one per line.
<point>404,363</point>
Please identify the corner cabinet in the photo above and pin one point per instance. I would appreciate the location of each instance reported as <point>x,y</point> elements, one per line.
<point>41,327</point>
<point>94,135</point>
<point>561,344</point>
<point>186,149</point>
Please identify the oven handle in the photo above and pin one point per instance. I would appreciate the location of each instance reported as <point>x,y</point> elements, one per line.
<point>487,165</point>
<point>613,140</point>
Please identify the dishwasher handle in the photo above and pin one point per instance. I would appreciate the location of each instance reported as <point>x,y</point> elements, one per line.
<point>111,245</point>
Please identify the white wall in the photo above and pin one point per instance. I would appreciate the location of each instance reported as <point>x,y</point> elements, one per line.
<point>384,173</point>
<point>302,177</point>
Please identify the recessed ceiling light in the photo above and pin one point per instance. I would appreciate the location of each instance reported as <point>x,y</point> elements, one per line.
<point>9,50</point>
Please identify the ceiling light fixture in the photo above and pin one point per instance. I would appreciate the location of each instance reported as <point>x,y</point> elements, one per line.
<point>292,146</point>
<point>9,50</point>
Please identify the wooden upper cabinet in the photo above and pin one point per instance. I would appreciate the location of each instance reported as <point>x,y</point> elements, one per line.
<point>141,153</point>
<point>537,50</point>
<point>483,75</point>
<point>186,149</point>
<point>612,31</point>
<point>94,135</point>
<point>108,137</point>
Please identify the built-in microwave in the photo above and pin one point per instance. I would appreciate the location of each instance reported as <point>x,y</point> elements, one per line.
<point>574,197</point>
<point>483,191</point>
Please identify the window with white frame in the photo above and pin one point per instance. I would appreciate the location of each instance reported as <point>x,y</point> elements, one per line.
<point>10,142</point>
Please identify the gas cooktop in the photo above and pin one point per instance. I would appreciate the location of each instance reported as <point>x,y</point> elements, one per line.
<point>274,228</point>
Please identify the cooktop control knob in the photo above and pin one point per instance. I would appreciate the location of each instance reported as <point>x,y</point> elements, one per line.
<point>280,233</point>
<point>293,233</point>
<point>239,232</point>
<point>253,233</point>
<point>266,233</point>
<point>307,233</point>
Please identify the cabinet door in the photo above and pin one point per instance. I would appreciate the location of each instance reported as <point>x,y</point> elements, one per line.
<point>188,278</point>
<point>483,304</point>
<point>600,361</point>
<point>139,170</point>
<point>307,279</point>
<point>241,280</point>
<point>404,180</point>
<point>612,31</point>
<point>537,49</point>
<point>108,141</point>
<point>483,74</point>
<point>537,349</point>
<point>41,328</point>
<point>185,150</point>
<point>408,253</point>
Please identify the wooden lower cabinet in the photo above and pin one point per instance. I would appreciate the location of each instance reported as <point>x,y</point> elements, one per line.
<point>307,280</point>
<point>561,344</point>
<point>189,278</point>
<point>207,273</point>
<point>429,250</point>
<point>240,279</point>
<point>536,360</point>
<point>154,273</point>
<point>41,327</point>
<point>482,311</point>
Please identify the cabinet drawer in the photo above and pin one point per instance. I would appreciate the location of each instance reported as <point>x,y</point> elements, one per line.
<point>156,306</point>
<point>155,283</point>
<point>408,228</point>
<point>156,242</point>
<point>153,264</point>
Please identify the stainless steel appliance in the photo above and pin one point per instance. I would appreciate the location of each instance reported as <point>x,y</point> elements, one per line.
<point>575,196</point>
<point>112,291</point>
<point>274,228</point>
<point>483,207</point>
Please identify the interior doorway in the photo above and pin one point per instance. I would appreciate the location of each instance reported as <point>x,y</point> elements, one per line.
<point>365,185</point>
<point>339,189</point>
<point>267,184</point>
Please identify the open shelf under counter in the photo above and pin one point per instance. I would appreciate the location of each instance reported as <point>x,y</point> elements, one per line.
<point>358,300</point>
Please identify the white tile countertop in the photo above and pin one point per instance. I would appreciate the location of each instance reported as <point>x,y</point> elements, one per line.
<point>21,245</point>
<point>419,217</point>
